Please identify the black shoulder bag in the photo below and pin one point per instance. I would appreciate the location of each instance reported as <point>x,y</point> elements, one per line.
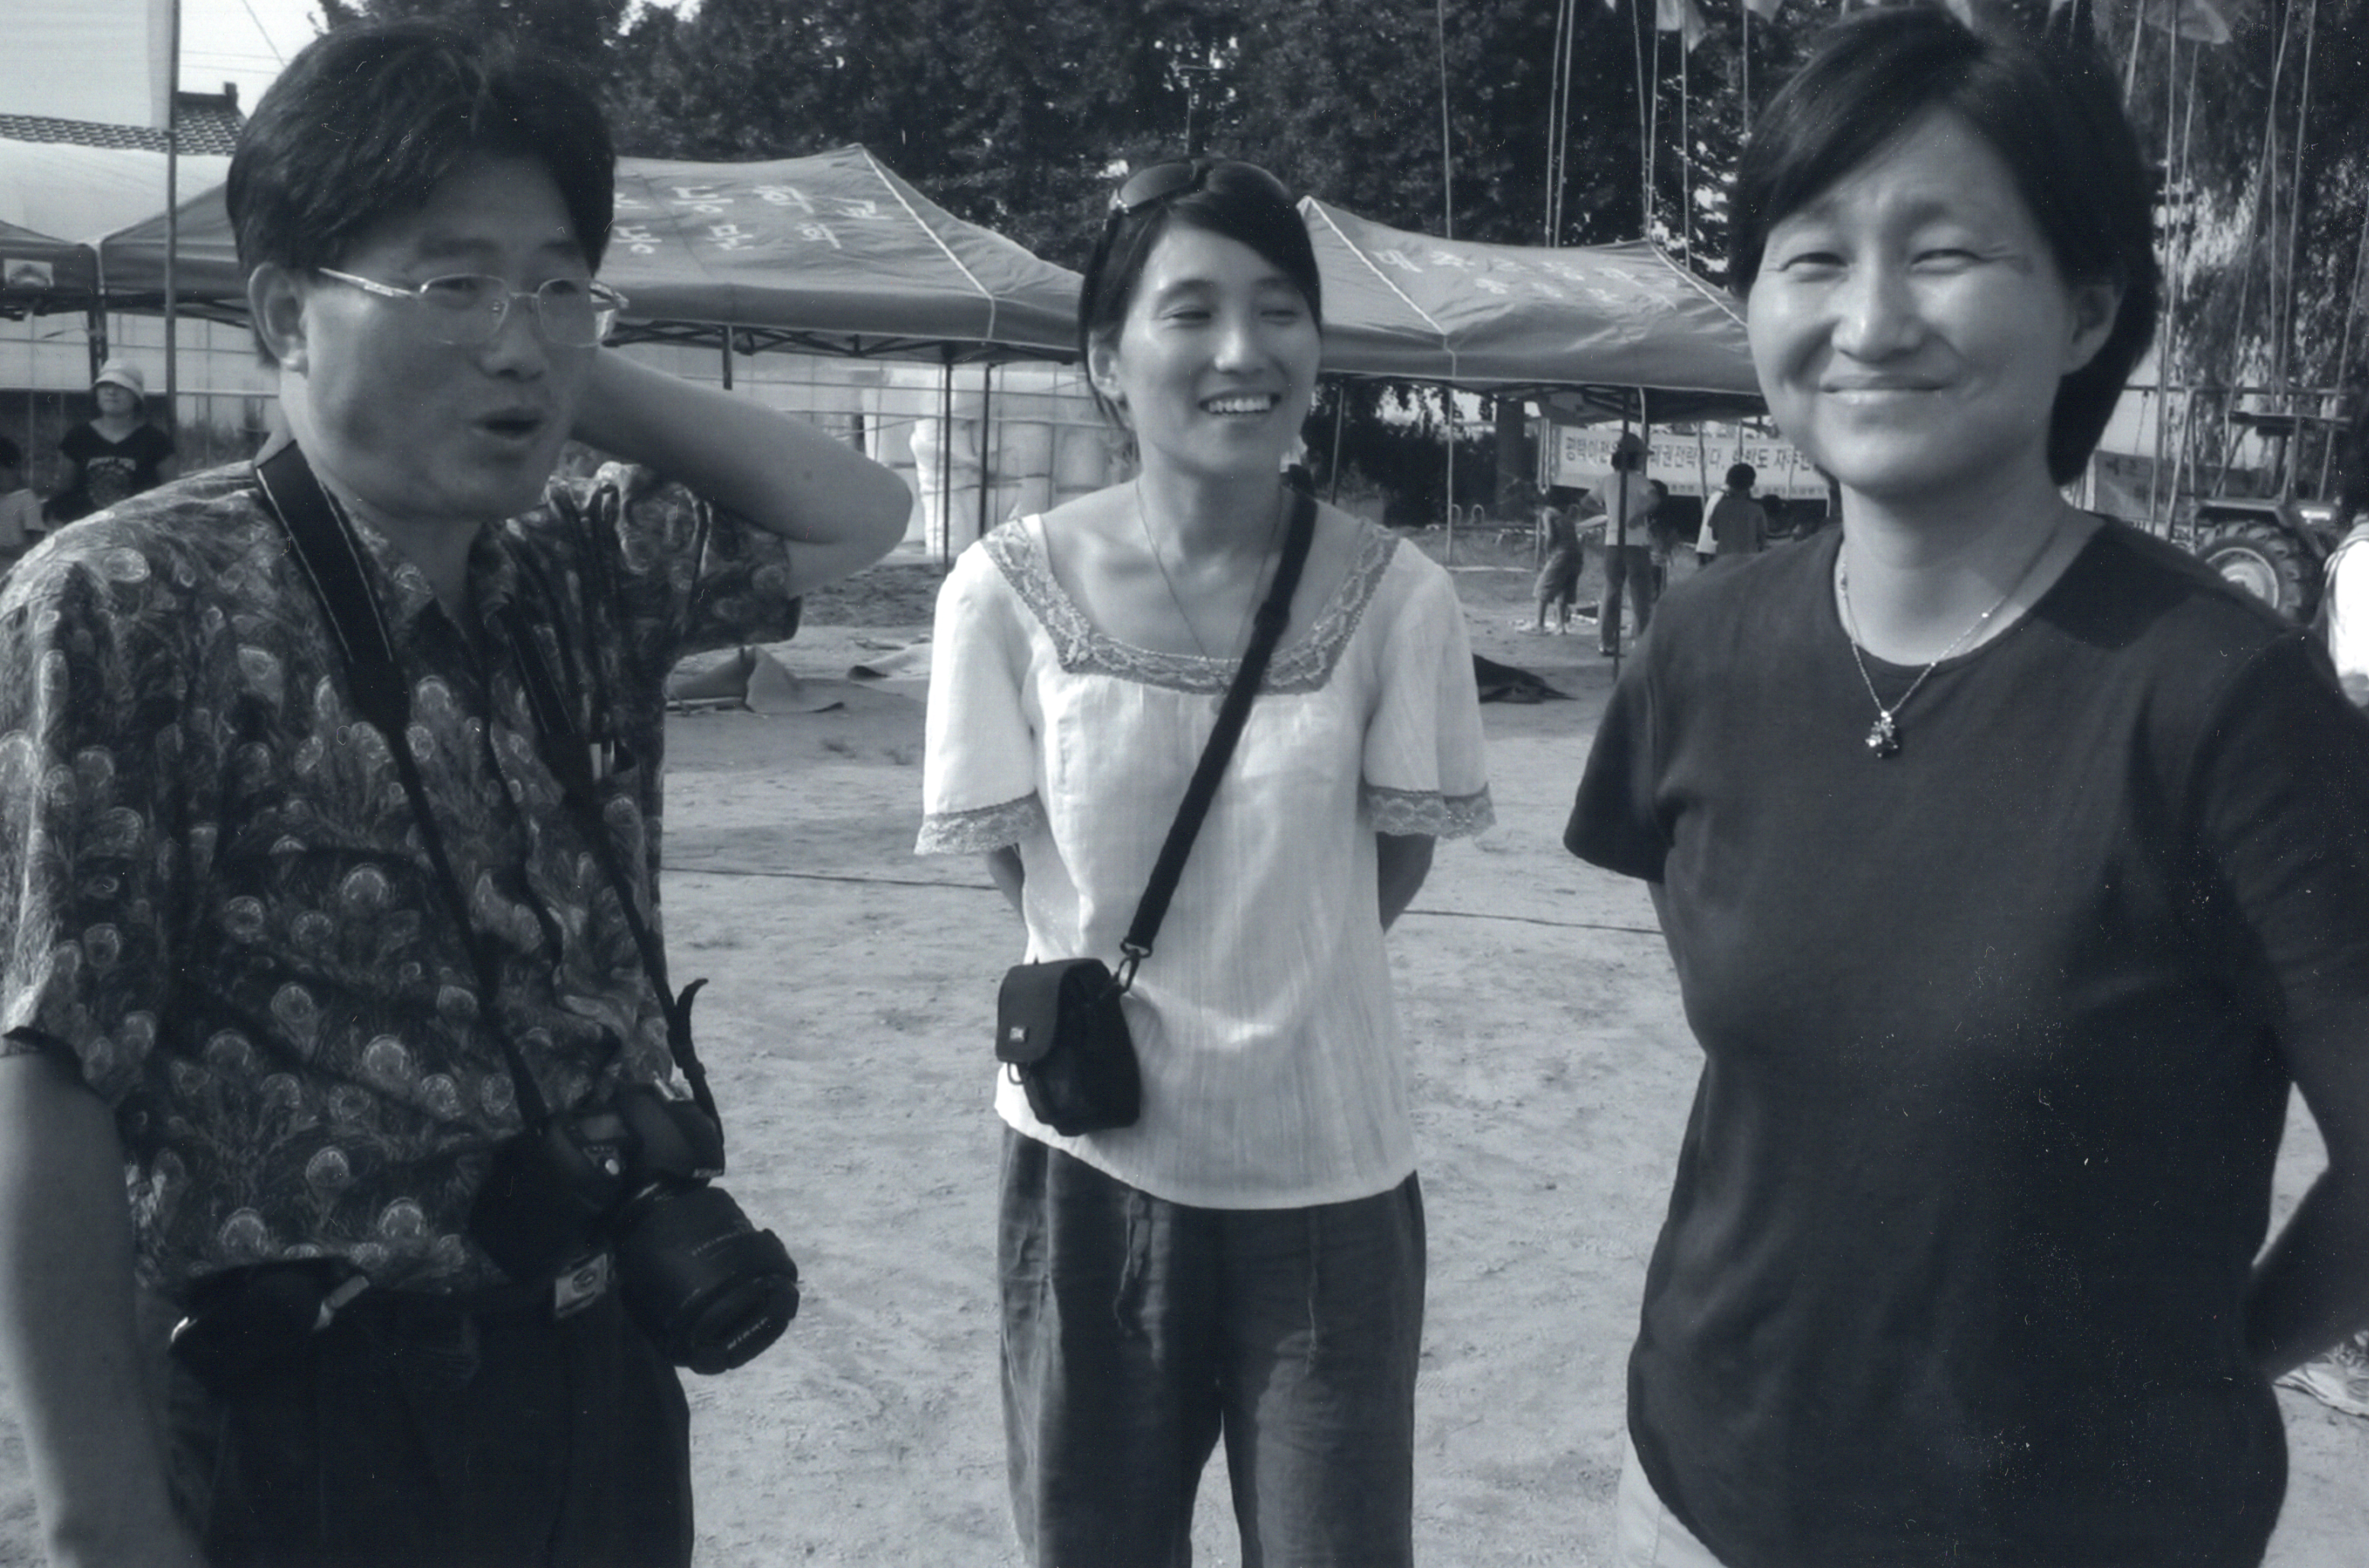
<point>1060,1030</point>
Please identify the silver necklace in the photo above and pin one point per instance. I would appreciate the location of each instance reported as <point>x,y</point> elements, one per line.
<point>1242,634</point>
<point>1883,735</point>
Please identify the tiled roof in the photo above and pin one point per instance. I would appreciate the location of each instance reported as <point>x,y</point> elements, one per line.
<point>210,123</point>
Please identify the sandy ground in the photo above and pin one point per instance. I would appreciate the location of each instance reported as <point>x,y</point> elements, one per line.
<point>847,1032</point>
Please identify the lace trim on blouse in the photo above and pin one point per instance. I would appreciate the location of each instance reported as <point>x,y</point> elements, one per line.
<point>1428,812</point>
<point>1303,664</point>
<point>977,831</point>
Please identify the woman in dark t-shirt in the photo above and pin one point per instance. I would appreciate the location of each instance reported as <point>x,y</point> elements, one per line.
<point>116,455</point>
<point>2014,869</point>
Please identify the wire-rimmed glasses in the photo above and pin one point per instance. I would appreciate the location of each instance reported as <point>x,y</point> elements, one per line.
<point>467,309</point>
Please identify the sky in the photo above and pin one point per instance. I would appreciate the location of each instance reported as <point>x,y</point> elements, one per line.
<point>245,41</point>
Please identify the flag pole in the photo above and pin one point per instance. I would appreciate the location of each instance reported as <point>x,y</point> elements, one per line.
<point>172,227</point>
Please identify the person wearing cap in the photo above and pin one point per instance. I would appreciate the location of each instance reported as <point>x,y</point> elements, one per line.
<point>118,454</point>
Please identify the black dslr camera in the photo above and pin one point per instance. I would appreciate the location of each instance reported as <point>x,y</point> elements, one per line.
<point>709,1289</point>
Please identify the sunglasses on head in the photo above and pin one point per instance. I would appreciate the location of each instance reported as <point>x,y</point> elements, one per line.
<point>1155,183</point>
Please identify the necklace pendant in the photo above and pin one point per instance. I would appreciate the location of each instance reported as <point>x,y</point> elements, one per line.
<point>1883,735</point>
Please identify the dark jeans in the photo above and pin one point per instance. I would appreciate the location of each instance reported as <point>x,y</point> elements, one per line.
<point>399,1438</point>
<point>1634,564</point>
<point>1137,1332</point>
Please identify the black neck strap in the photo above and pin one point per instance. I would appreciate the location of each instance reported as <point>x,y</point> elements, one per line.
<point>332,561</point>
<point>1266,631</point>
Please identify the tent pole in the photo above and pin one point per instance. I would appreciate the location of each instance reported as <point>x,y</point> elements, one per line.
<point>986,429</point>
<point>1339,413</point>
<point>946,455</point>
<point>1607,612</point>
<point>723,348</point>
<point>1447,413</point>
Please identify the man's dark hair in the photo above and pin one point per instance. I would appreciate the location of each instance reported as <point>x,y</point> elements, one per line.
<point>366,123</point>
<point>2049,111</point>
<point>1742,476</point>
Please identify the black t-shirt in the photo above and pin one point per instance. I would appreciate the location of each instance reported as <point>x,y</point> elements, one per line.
<point>1981,1156</point>
<point>112,470</point>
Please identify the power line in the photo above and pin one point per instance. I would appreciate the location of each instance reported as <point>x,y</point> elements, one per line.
<point>248,7</point>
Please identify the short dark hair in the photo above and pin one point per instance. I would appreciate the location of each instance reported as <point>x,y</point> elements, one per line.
<point>1742,476</point>
<point>2049,109</point>
<point>1238,201</point>
<point>371,118</point>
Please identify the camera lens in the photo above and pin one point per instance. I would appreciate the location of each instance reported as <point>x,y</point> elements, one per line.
<point>710,1289</point>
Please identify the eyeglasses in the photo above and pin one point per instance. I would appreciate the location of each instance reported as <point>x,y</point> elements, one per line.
<point>467,309</point>
<point>1179,177</point>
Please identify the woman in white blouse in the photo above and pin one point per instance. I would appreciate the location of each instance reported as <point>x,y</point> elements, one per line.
<point>1245,1260</point>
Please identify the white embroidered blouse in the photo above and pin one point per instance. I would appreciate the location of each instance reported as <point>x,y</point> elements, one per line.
<point>1274,1071</point>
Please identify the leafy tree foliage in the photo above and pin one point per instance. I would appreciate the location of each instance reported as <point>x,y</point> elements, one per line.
<point>1015,113</point>
<point>579,30</point>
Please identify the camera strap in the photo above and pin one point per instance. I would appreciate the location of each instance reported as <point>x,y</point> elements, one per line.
<point>325,549</point>
<point>564,752</point>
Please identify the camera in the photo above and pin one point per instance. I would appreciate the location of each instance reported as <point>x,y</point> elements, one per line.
<point>633,1176</point>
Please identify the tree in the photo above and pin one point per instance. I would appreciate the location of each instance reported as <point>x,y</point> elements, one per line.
<point>579,30</point>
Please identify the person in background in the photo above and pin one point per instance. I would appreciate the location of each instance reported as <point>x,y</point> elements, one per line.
<point>20,510</point>
<point>1661,539</point>
<point>1558,578</point>
<point>115,455</point>
<point>1246,1260</point>
<point>2015,869</point>
<point>2344,580</point>
<point>297,993</point>
<point>1622,491</point>
<point>1737,526</point>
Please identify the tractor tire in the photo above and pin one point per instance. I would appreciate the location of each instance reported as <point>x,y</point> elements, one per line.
<point>2263,559</point>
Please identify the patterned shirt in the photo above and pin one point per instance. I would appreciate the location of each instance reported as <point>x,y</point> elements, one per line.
<point>217,898</point>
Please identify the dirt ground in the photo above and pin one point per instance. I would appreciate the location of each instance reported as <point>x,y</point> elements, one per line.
<point>847,1032</point>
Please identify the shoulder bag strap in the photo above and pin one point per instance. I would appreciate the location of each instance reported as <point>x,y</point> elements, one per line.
<point>1265,633</point>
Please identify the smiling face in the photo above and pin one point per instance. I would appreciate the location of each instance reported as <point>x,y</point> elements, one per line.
<point>1215,361</point>
<point>1910,324</point>
<point>411,431</point>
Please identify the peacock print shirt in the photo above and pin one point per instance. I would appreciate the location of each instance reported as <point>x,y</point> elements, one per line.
<point>217,903</point>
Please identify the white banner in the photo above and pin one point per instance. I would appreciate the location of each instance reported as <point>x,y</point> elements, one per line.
<point>1688,465</point>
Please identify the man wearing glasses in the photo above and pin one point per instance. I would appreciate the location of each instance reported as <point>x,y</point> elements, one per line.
<point>295,973</point>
